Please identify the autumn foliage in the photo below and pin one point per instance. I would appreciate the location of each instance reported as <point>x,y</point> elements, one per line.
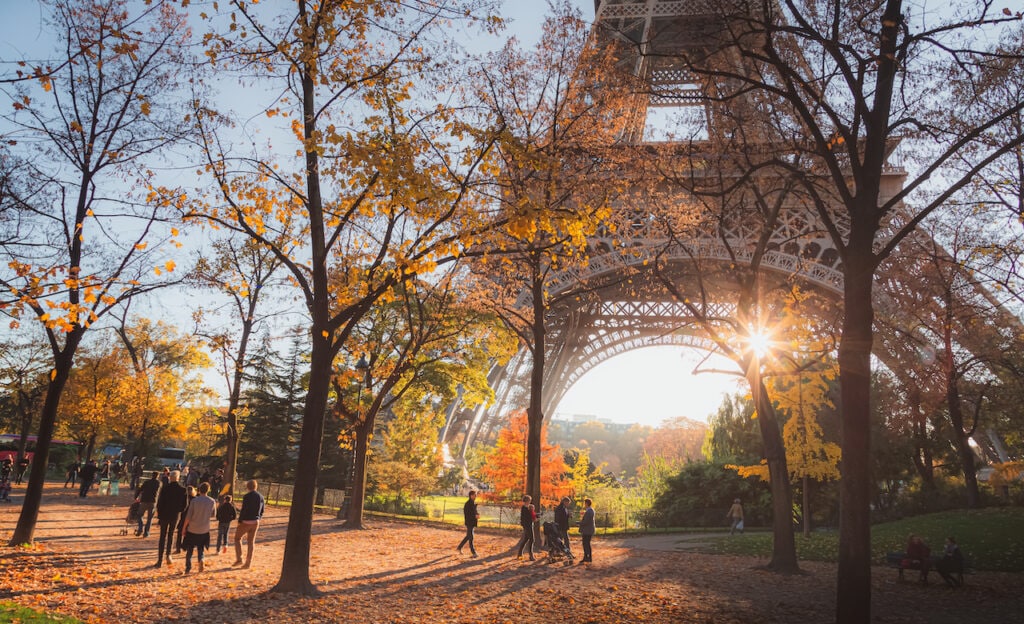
<point>505,465</point>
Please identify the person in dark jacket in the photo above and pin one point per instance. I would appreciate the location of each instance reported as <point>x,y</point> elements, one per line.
<point>87,475</point>
<point>248,522</point>
<point>170,504</point>
<point>562,520</point>
<point>226,514</point>
<point>527,518</point>
<point>147,501</point>
<point>588,527</point>
<point>471,516</point>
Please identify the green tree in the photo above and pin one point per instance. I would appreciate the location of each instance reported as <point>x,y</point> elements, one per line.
<point>271,412</point>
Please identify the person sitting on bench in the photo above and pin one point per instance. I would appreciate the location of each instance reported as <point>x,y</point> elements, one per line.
<point>917,557</point>
<point>951,566</point>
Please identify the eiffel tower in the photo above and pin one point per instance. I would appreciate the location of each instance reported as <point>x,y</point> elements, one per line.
<point>623,312</point>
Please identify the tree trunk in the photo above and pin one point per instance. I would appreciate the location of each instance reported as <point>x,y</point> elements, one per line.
<point>231,460</point>
<point>853,591</point>
<point>807,505</point>
<point>25,530</point>
<point>295,563</point>
<point>25,407</point>
<point>90,446</point>
<point>783,542</point>
<point>535,413</point>
<point>961,441</point>
<point>235,399</point>
<point>354,516</point>
<point>923,462</point>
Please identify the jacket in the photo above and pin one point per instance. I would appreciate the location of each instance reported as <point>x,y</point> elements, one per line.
<point>562,517</point>
<point>252,507</point>
<point>149,490</point>
<point>171,501</point>
<point>469,511</point>
<point>526,516</point>
<point>226,512</point>
<point>588,524</point>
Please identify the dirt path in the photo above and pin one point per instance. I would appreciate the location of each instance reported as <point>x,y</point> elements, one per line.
<point>398,572</point>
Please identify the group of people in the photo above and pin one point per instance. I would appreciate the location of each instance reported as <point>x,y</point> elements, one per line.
<point>185,513</point>
<point>528,522</point>
<point>918,557</point>
<point>8,467</point>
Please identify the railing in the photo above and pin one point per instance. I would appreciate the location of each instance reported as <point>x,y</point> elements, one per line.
<point>502,515</point>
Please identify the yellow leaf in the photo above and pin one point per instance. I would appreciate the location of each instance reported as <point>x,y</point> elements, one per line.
<point>53,374</point>
<point>145,107</point>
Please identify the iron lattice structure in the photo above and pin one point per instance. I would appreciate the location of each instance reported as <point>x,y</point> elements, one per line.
<point>611,304</point>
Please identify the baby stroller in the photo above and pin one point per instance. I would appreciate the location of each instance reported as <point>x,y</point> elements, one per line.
<point>557,548</point>
<point>131,521</point>
<point>5,490</point>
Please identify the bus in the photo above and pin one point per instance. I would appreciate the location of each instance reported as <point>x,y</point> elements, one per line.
<point>170,457</point>
<point>61,453</point>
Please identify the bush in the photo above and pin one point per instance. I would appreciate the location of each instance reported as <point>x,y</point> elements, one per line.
<point>701,494</point>
<point>399,506</point>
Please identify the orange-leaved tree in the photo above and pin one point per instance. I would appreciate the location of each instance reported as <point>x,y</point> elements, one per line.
<point>505,465</point>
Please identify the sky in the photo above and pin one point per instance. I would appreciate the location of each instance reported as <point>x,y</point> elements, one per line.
<point>650,385</point>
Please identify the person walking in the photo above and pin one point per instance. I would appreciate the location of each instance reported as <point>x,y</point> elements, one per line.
<point>72,474</point>
<point>562,520</point>
<point>735,514</point>
<point>248,522</point>
<point>23,464</point>
<point>197,526</point>
<point>86,477</point>
<point>170,504</point>
<point>226,514</point>
<point>527,518</point>
<point>190,493</point>
<point>588,527</point>
<point>147,501</point>
<point>471,516</point>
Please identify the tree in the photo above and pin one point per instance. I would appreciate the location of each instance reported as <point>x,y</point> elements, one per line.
<point>505,466</point>
<point>270,410</point>
<point>562,107</point>
<point>435,342</point>
<point>242,271</point>
<point>965,332</point>
<point>163,377</point>
<point>381,191</point>
<point>409,458</point>
<point>853,78</point>
<point>677,440</point>
<point>23,381</point>
<point>81,241</point>
<point>808,455</point>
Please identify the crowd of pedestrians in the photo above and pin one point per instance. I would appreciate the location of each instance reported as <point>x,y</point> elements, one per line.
<point>528,524</point>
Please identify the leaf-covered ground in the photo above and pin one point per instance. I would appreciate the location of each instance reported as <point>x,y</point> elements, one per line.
<point>397,572</point>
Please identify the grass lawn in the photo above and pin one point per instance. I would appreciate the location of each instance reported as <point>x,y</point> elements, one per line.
<point>992,539</point>
<point>10,612</point>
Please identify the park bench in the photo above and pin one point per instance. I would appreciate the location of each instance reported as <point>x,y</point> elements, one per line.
<point>896,560</point>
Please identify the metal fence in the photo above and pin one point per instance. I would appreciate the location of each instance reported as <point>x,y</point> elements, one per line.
<point>443,509</point>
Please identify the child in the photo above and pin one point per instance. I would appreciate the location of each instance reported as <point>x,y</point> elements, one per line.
<point>225,514</point>
<point>5,490</point>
